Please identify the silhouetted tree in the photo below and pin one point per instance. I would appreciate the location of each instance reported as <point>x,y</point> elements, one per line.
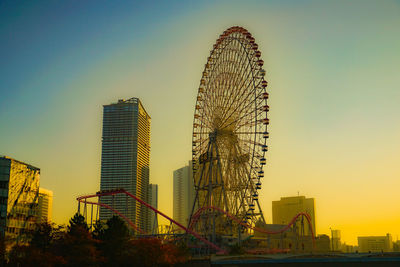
<point>148,252</point>
<point>2,250</point>
<point>115,238</point>
<point>98,231</point>
<point>77,222</point>
<point>79,248</point>
<point>40,251</point>
<point>42,237</point>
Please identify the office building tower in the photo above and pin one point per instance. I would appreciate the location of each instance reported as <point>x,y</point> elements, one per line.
<point>284,210</point>
<point>125,159</point>
<point>375,243</point>
<point>19,195</point>
<point>45,208</point>
<point>153,201</point>
<point>336,243</point>
<point>183,194</point>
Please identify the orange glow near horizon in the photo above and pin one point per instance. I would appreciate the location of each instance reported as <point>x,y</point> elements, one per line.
<point>333,83</point>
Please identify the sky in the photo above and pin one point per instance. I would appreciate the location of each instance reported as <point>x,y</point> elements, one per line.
<point>333,72</point>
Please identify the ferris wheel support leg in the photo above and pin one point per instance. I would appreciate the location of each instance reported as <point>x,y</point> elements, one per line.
<point>210,189</point>
<point>239,234</point>
<point>222,182</point>
<point>261,213</point>
<point>196,199</point>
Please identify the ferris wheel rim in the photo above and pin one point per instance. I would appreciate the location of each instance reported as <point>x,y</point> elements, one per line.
<point>254,144</point>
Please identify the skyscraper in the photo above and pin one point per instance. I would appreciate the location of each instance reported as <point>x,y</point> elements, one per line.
<point>125,159</point>
<point>184,194</point>
<point>45,205</point>
<point>153,201</point>
<point>285,209</point>
<point>335,242</point>
<point>19,194</point>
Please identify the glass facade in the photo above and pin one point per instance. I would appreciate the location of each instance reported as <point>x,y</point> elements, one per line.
<point>125,159</point>
<point>19,193</point>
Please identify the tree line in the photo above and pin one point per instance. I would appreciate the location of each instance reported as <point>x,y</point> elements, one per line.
<point>108,244</point>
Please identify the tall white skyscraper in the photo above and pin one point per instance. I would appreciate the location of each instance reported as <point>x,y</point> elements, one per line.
<point>184,194</point>
<point>153,201</point>
<point>125,159</point>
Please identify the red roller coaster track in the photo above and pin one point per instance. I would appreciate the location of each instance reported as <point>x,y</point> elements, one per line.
<point>308,218</point>
<point>84,199</point>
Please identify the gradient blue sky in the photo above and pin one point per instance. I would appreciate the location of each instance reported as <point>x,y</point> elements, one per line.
<point>332,66</point>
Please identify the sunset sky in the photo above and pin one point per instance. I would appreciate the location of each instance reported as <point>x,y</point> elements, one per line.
<point>333,69</point>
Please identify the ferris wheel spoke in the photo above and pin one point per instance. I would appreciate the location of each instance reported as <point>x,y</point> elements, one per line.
<point>260,106</point>
<point>239,94</point>
<point>246,66</point>
<point>242,104</point>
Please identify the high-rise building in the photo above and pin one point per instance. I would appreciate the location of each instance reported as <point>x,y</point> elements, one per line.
<point>183,194</point>
<point>153,201</point>
<point>336,243</point>
<point>125,159</point>
<point>284,210</point>
<point>19,195</point>
<point>375,243</point>
<point>45,208</point>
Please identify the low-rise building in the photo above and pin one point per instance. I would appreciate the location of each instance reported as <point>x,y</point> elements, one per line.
<point>19,198</point>
<point>322,244</point>
<point>375,243</point>
<point>285,209</point>
<point>291,240</point>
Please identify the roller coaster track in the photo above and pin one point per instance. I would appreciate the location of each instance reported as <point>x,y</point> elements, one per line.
<point>195,217</point>
<point>83,199</point>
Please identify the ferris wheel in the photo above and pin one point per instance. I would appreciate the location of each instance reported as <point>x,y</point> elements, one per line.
<point>230,132</point>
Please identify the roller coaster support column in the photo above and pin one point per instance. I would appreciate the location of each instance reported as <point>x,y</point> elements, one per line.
<point>239,234</point>
<point>175,222</point>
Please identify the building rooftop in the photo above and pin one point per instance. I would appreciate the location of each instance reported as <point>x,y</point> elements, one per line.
<point>21,162</point>
<point>133,100</point>
<point>45,191</point>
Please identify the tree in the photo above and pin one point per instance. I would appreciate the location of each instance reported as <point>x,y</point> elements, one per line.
<point>98,231</point>
<point>40,252</point>
<point>42,237</point>
<point>153,252</point>
<point>77,223</point>
<point>79,247</point>
<point>115,238</point>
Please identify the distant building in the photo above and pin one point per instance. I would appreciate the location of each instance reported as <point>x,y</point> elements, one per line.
<point>396,246</point>
<point>153,201</point>
<point>45,208</point>
<point>375,243</point>
<point>183,194</point>
<point>284,210</point>
<point>322,243</point>
<point>336,243</point>
<point>19,197</point>
<point>125,159</point>
<point>288,241</point>
<point>348,248</point>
